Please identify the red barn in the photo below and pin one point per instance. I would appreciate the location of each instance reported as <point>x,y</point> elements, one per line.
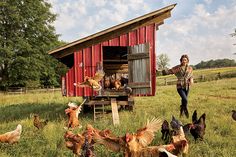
<point>127,49</point>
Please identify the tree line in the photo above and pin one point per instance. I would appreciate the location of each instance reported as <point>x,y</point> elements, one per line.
<point>26,35</point>
<point>215,64</point>
<point>163,63</point>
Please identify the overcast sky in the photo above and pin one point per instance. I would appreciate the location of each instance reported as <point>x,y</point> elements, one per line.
<point>199,28</point>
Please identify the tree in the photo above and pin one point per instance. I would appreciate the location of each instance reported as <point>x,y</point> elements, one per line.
<point>26,34</point>
<point>162,61</point>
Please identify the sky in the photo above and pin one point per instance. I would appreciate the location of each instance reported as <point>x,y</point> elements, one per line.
<point>199,28</point>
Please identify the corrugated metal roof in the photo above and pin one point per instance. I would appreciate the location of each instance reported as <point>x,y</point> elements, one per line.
<point>146,17</point>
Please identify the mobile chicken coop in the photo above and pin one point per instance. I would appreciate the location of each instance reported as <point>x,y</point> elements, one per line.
<point>125,50</point>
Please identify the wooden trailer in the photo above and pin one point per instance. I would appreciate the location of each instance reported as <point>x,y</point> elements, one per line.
<point>125,51</point>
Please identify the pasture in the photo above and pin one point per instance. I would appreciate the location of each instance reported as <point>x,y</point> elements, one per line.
<point>215,98</point>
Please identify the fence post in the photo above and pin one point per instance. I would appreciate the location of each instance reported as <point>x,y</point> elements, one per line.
<point>165,81</point>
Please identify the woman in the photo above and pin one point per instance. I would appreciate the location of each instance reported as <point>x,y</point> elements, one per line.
<point>184,74</point>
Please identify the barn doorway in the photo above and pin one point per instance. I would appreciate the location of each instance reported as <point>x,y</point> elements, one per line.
<point>115,66</point>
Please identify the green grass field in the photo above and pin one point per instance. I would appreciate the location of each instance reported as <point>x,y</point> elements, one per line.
<point>215,98</point>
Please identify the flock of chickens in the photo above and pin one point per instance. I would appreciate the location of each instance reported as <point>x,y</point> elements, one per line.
<point>174,134</point>
<point>138,144</point>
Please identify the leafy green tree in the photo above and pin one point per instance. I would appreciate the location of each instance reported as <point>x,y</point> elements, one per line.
<point>162,61</point>
<point>26,34</point>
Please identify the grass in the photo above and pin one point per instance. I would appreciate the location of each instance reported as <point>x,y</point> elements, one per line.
<point>215,98</point>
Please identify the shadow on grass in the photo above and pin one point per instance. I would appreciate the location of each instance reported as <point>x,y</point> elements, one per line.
<point>52,112</point>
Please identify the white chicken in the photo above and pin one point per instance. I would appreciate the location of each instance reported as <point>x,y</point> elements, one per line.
<point>12,137</point>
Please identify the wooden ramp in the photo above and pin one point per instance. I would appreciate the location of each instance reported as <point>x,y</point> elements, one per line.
<point>115,114</point>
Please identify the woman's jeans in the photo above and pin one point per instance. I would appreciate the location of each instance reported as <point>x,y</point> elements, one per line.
<point>183,92</point>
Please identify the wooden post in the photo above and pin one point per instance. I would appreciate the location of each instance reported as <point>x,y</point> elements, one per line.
<point>115,114</point>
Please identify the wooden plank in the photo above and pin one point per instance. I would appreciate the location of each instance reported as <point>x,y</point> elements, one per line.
<point>115,115</point>
<point>137,56</point>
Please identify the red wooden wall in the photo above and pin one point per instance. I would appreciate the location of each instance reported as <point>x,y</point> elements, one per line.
<point>85,60</point>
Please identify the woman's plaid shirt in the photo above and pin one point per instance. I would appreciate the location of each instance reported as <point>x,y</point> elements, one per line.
<point>183,74</point>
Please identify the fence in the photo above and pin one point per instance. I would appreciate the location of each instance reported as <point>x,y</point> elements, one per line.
<point>22,90</point>
<point>163,81</point>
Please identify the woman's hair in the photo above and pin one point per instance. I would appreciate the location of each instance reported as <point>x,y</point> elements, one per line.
<point>184,56</point>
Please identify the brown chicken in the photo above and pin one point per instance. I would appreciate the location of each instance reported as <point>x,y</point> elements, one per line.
<point>73,115</point>
<point>144,136</point>
<point>12,136</point>
<point>92,82</point>
<point>132,143</point>
<point>80,144</point>
<point>39,124</point>
<point>179,144</point>
<point>112,142</point>
<point>74,142</point>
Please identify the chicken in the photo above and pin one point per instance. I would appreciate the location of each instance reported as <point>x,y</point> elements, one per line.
<point>73,114</point>
<point>143,137</point>
<point>165,130</point>
<point>199,126</point>
<point>39,124</point>
<point>12,136</point>
<point>74,142</point>
<point>179,144</point>
<point>107,82</point>
<point>175,124</point>
<point>113,143</point>
<point>234,115</point>
<point>81,144</point>
<point>132,143</point>
<point>92,82</point>
<point>115,84</point>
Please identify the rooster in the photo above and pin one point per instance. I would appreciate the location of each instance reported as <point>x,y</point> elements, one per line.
<point>199,126</point>
<point>73,114</point>
<point>12,136</point>
<point>39,124</point>
<point>92,82</point>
